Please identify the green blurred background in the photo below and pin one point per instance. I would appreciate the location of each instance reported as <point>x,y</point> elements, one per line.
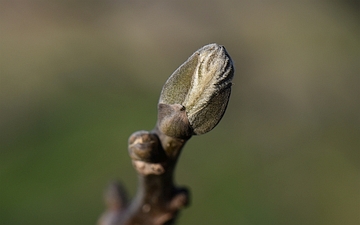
<point>78,77</point>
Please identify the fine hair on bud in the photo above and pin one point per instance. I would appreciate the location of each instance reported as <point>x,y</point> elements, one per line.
<point>202,86</point>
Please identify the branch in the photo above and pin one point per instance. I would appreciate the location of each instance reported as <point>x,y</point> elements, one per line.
<point>192,102</point>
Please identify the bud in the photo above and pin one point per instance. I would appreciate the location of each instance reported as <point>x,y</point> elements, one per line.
<point>144,146</point>
<point>201,88</point>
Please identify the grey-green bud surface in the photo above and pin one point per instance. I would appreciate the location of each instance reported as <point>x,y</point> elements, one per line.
<point>202,85</point>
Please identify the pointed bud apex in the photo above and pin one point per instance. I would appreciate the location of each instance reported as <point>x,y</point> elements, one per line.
<point>201,86</point>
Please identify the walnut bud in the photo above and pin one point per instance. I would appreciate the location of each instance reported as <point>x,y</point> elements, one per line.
<point>202,86</point>
<point>145,146</point>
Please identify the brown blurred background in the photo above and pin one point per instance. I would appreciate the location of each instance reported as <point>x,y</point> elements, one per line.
<point>78,77</point>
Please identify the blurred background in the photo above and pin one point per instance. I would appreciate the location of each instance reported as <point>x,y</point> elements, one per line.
<point>78,77</point>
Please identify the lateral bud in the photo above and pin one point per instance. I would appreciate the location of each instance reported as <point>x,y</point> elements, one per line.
<point>144,146</point>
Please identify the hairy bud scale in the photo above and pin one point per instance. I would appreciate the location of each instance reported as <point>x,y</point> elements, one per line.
<point>202,85</point>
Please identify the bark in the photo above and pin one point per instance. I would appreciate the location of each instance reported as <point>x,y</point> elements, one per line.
<point>158,200</point>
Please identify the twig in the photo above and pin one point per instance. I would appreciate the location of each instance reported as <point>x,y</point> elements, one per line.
<point>192,102</point>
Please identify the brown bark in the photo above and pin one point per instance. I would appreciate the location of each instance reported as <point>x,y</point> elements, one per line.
<point>158,200</point>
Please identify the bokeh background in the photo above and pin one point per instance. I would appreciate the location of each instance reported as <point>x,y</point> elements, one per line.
<point>78,77</point>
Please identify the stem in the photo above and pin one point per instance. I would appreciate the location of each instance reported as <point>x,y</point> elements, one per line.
<point>157,200</point>
<point>192,101</point>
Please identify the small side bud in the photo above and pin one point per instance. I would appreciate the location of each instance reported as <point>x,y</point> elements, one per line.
<point>144,146</point>
<point>116,200</point>
<point>202,85</point>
